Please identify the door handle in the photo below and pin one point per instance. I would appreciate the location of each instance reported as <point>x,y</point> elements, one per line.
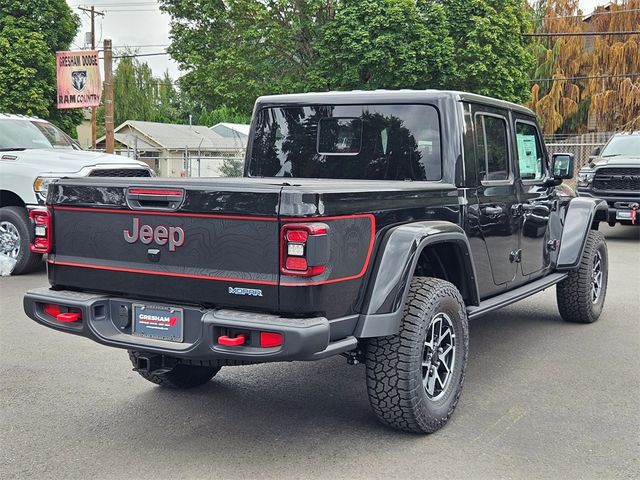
<point>541,210</point>
<point>492,210</point>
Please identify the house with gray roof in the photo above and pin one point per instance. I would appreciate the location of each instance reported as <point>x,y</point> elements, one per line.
<point>232,130</point>
<point>174,150</point>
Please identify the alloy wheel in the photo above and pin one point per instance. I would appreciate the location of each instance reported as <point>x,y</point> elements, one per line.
<point>596,277</point>
<point>438,357</point>
<point>9,239</point>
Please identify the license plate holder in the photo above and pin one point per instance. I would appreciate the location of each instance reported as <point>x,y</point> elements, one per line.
<point>624,215</point>
<point>159,322</point>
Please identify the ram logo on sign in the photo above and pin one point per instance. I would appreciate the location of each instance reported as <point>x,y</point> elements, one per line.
<point>79,83</point>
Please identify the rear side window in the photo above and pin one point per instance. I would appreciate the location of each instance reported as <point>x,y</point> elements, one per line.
<point>530,156</point>
<point>368,142</point>
<point>492,147</point>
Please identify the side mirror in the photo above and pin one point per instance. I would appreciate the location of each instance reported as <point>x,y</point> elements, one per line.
<point>562,166</point>
<point>596,151</point>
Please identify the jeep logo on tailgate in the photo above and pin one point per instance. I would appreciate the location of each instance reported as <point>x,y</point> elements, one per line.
<point>161,235</point>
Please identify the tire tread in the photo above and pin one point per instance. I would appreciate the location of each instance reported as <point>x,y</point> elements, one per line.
<point>395,391</point>
<point>573,294</point>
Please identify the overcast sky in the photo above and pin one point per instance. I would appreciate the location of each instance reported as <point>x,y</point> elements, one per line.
<point>140,24</point>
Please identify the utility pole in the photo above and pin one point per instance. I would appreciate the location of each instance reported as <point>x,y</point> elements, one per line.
<point>93,12</point>
<point>108,97</point>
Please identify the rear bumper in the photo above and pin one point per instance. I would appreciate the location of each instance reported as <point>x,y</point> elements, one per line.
<point>107,320</point>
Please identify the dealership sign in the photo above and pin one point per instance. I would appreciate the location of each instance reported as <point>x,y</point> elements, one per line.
<point>79,82</point>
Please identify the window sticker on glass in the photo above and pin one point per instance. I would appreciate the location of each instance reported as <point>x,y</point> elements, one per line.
<point>528,158</point>
<point>339,136</point>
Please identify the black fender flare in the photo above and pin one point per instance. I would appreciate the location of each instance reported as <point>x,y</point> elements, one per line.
<point>395,264</point>
<point>582,213</point>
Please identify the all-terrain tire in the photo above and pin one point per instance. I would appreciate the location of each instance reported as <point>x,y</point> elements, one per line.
<point>180,376</point>
<point>395,364</point>
<point>575,293</point>
<point>26,260</point>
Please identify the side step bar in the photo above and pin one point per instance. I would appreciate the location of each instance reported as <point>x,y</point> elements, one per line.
<point>515,295</point>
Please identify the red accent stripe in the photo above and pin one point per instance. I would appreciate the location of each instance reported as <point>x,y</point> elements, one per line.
<point>370,216</point>
<point>341,279</point>
<point>144,191</point>
<point>230,217</point>
<point>166,214</point>
<point>166,274</point>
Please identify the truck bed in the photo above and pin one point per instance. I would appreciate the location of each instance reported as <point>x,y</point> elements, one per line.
<point>217,242</point>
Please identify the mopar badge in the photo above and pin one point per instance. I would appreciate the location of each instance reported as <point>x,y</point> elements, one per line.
<point>254,292</point>
<point>161,235</point>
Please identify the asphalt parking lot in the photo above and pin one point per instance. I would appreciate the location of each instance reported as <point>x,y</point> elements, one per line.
<point>542,399</point>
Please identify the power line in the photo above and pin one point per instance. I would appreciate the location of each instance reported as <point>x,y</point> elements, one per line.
<point>585,15</point>
<point>130,10</point>
<point>116,4</point>
<point>142,46</point>
<point>586,77</point>
<point>140,55</point>
<point>580,34</point>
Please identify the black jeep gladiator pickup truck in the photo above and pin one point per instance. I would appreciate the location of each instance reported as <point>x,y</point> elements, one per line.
<point>368,224</point>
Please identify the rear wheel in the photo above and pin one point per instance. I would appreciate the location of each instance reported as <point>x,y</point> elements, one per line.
<point>581,295</point>
<point>179,377</point>
<point>15,239</point>
<point>414,378</point>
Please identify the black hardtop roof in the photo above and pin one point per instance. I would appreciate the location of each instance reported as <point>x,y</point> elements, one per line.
<point>384,96</point>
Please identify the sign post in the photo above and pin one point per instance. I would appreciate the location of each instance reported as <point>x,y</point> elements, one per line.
<point>108,97</point>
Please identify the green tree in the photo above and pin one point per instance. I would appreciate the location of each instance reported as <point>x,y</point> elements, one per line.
<point>490,54</point>
<point>232,167</point>
<point>222,113</point>
<point>31,31</point>
<point>236,50</point>
<point>384,44</point>
<point>138,95</point>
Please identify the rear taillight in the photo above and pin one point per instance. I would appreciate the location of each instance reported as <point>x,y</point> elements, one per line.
<point>42,231</point>
<point>305,249</point>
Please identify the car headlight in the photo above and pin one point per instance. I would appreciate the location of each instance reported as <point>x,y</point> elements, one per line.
<point>41,186</point>
<point>585,178</point>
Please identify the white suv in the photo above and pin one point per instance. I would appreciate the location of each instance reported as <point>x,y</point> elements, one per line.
<point>33,153</point>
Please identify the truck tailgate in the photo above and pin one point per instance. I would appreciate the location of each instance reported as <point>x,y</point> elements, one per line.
<point>212,249</point>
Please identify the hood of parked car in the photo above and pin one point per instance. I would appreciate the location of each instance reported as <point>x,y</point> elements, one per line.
<point>619,160</point>
<point>50,160</point>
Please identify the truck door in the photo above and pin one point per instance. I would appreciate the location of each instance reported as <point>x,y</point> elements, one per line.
<point>497,194</point>
<point>536,204</point>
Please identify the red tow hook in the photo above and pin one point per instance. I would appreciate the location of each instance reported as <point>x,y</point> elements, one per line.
<point>68,317</point>
<point>231,342</point>
<point>634,212</point>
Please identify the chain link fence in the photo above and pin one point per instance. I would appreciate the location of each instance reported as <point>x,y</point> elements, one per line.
<point>581,146</point>
<point>190,164</point>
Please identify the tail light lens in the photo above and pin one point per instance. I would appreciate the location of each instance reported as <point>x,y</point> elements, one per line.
<point>305,249</point>
<point>42,228</point>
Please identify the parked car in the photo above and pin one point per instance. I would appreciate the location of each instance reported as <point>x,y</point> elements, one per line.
<point>368,224</point>
<point>33,153</point>
<point>613,174</point>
